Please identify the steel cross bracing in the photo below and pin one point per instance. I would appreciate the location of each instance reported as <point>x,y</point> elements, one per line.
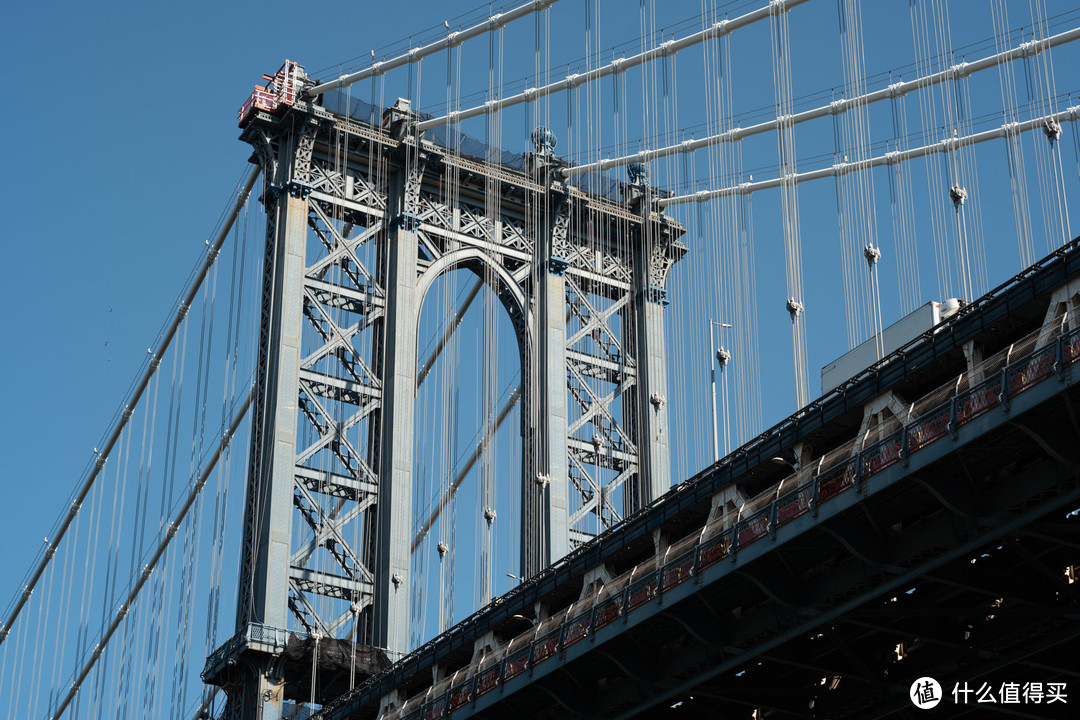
<point>360,222</point>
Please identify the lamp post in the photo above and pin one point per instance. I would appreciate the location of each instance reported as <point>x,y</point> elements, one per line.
<point>721,357</point>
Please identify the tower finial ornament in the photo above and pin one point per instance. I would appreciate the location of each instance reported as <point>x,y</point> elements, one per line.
<point>544,140</point>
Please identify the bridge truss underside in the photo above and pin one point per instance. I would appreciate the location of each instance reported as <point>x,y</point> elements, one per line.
<point>952,567</point>
<point>945,545</point>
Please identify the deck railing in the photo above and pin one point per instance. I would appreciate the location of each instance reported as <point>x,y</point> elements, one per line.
<point>849,467</point>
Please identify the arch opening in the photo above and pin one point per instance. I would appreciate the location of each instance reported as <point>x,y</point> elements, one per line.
<point>468,452</point>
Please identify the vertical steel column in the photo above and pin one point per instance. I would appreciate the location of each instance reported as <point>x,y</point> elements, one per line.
<point>264,577</point>
<point>398,362</point>
<point>545,535</point>
<point>273,521</point>
<point>650,414</point>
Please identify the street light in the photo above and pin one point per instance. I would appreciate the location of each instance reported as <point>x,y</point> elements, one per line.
<point>721,357</point>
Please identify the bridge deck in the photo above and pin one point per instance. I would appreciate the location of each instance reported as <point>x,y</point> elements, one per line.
<point>827,580</point>
<point>763,616</point>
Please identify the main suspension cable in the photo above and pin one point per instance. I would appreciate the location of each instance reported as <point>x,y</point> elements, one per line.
<point>1067,115</point>
<point>618,65</point>
<point>162,546</point>
<point>493,23</point>
<point>129,406</point>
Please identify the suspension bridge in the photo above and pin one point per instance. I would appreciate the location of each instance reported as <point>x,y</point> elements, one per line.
<point>494,391</point>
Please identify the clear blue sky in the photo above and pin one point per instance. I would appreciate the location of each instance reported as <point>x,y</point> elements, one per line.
<point>120,149</point>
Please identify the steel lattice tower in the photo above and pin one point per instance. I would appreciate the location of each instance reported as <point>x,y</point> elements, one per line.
<point>361,219</point>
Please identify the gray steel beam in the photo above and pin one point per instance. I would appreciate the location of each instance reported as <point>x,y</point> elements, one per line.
<point>334,484</point>
<point>649,410</point>
<point>391,601</point>
<point>263,594</point>
<point>545,497</point>
<point>268,523</point>
<point>335,585</point>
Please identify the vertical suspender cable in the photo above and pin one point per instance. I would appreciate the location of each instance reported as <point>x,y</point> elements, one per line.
<point>148,569</point>
<point>121,422</point>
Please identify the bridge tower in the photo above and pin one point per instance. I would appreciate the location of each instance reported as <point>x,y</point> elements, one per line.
<point>363,214</point>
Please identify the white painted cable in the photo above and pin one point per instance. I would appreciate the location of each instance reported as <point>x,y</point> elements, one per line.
<point>618,65</point>
<point>121,422</point>
<point>495,22</point>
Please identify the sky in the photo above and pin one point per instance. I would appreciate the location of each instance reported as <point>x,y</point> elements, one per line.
<point>121,151</point>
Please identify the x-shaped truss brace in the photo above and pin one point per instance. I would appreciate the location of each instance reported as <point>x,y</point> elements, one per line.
<point>594,323</point>
<point>594,497</point>
<point>592,405</point>
<point>341,252</point>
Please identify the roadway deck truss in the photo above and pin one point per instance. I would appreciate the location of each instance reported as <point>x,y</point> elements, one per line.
<point>945,547</point>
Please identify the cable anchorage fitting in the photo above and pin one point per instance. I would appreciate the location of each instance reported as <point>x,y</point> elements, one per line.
<point>1052,130</point>
<point>958,195</point>
<point>959,70</point>
<point>794,307</point>
<point>872,255</point>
